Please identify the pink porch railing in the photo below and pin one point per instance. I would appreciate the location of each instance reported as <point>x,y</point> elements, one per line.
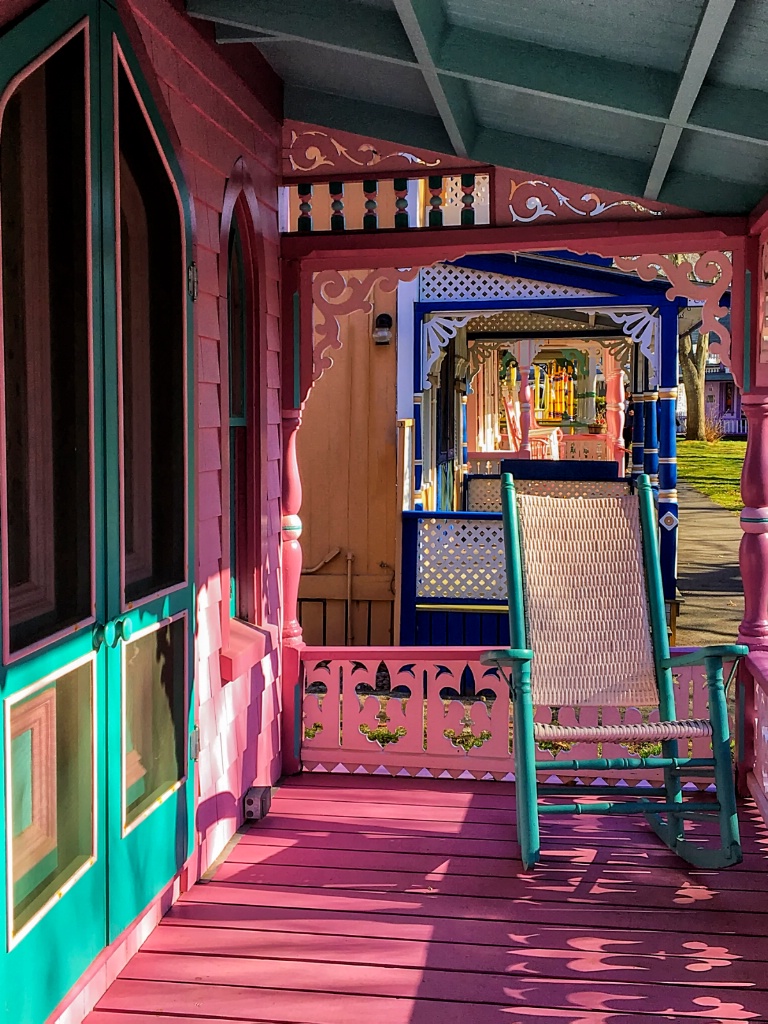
<point>755,760</point>
<point>437,712</point>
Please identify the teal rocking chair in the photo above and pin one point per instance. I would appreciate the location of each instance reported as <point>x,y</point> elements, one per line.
<point>587,627</point>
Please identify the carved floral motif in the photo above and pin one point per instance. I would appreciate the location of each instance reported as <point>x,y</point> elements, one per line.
<point>318,149</point>
<point>335,294</point>
<point>540,194</point>
<point>702,277</point>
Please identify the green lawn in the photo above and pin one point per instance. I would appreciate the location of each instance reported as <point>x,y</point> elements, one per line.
<point>713,469</point>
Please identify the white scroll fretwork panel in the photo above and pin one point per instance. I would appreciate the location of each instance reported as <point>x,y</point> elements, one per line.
<point>484,494</point>
<point>461,560</point>
<point>443,282</point>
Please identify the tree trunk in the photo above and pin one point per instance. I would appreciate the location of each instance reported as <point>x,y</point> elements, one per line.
<point>693,367</point>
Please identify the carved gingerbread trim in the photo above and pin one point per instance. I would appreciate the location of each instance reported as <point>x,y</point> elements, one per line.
<point>703,277</point>
<point>316,149</point>
<point>335,294</point>
<point>529,200</point>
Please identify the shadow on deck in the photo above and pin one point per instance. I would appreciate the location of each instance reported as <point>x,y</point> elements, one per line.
<point>365,900</point>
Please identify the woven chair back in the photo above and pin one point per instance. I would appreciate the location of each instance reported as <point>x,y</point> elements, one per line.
<point>586,605</point>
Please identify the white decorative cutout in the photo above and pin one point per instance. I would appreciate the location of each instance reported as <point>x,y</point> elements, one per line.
<point>444,282</point>
<point>641,326</point>
<point>453,196</point>
<point>669,521</point>
<point>460,560</point>
<point>437,332</point>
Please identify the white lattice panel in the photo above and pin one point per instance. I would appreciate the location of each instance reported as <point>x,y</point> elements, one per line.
<point>574,488</point>
<point>461,560</point>
<point>444,282</point>
<point>484,494</point>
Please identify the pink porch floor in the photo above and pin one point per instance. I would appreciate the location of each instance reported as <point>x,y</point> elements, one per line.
<point>371,900</point>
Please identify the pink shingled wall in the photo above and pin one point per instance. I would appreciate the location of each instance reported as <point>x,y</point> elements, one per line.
<point>221,124</point>
<point>218,122</point>
<point>222,109</point>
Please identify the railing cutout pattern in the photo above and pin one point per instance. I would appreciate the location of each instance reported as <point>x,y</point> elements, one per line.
<point>434,712</point>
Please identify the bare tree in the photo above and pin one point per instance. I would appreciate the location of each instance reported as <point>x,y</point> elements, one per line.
<point>693,348</point>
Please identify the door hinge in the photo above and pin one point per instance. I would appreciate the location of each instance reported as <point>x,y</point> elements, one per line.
<point>194,744</point>
<point>192,281</point>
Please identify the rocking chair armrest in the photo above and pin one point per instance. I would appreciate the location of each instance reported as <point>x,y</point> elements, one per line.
<point>699,656</point>
<point>506,656</point>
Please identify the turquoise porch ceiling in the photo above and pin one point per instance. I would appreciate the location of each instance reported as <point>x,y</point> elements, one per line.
<point>660,98</point>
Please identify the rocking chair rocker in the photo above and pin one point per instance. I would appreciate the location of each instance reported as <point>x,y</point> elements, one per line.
<point>587,627</point>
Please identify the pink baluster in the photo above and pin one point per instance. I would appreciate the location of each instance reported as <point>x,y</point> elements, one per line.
<point>525,410</point>
<point>614,409</point>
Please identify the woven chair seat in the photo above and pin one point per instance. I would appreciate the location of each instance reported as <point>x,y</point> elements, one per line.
<point>685,729</point>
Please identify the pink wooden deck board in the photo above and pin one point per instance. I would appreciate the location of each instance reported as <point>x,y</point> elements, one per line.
<point>239,917</point>
<point>634,870</point>
<point>487,857</point>
<point>699,921</point>
<point>547,886</point>
<point>586,956</point>
<point>401,901</point>
<point>452,984</point>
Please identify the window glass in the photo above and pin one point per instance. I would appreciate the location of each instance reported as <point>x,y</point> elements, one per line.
<point>240,317</point>
<point>46,348</point>
<point>151,358</point>
<point>51,789</point>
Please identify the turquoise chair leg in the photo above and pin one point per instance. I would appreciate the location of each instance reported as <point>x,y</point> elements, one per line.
<point>525,773</point>
<point>721,749</point>
<point>674,787</point>
<point>517,745</point>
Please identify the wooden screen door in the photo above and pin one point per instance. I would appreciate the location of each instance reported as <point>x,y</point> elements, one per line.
<point>95,474</point>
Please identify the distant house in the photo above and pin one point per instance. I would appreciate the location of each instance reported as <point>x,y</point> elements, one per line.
<point>722,400</point>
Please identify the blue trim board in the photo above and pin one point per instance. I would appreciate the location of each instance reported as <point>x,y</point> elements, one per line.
<point>615,282</point>
<point>650,299</point>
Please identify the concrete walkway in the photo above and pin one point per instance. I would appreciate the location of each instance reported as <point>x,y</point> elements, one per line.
<point>708,571</point>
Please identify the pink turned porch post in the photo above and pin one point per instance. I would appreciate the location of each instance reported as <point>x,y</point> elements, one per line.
<point>525,409</point>
<point>753,557</point>
<point>614,408</point>
<point>753,552</point>
<point>292,560</point>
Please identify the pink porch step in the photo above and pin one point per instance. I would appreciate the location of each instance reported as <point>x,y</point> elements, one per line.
<point>399,900</point>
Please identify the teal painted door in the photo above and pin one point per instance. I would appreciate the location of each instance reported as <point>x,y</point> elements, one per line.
<point>96,600</point>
